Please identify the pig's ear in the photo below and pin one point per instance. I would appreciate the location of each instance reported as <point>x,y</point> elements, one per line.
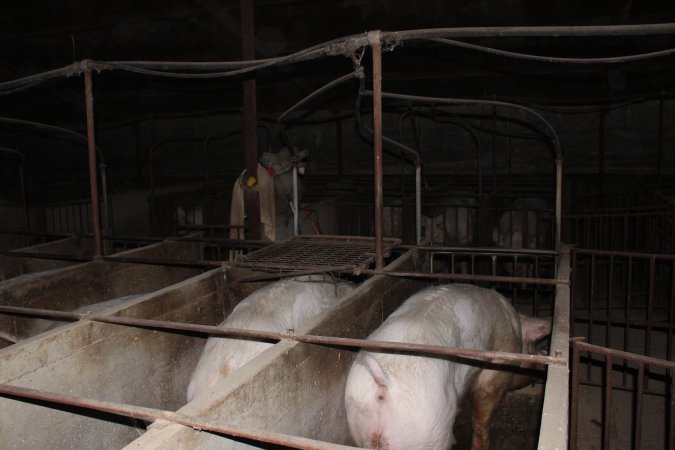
<point>534,328</point>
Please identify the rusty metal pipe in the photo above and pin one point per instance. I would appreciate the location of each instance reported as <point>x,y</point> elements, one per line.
<point>418,203</point>
<point>274,336</point>
<point>106,211</point>
<point>152,415</point>
<point>619,354</point>
<point>374,41</point>
<point>93,181</point>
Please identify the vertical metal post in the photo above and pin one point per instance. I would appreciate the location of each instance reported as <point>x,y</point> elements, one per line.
<point>340,150</point>
<point>659,151</point>
<point>574,396</point>
<point>607,408</point>
<point>249,127</point>
<point>494,147</point>
<point>558,202</point>
<point>106,210</point>
<point>93,181</point>
<point>418,202</point>
<point>601,155</point>
<point>374,40</point>
<point>26,216</point>
<point>295,199</point>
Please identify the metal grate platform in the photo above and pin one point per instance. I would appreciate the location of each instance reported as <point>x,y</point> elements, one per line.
<point>314,252</point>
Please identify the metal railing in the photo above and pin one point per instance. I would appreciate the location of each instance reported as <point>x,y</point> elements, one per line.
<point>623,306</point>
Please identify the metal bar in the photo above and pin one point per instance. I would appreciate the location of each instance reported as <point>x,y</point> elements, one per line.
<point>106,211</point>
<point>339,147</point>
<point>295,199</point>
<point>670,365</point>
<point>637,435</point>
<point>574,396</point>
<point>659,144</point>
<point>553,432</point>
<point>671,412</point>
<point>626,314</point>
<point>418,203</point>
<point>118,259</point>
<point>607,416</point>
<point>249,116</point>
<point>631,322</point>
<point>274,336</point>
<point>374,41</point>
<point>91,146</point>
<point>658,257</point>
<point>558,203</point>
<point>467,277</point>
<point>610,286</point>
<point>152,415</point>
<point>591,299</point>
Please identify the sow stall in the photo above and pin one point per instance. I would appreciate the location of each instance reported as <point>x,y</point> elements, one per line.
<point>74,286</point>
<point>75,246</point>
<point>293,388</point>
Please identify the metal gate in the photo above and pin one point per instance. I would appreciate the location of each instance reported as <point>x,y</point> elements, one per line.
<point>623,311</point>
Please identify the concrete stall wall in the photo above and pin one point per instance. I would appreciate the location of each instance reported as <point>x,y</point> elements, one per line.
<point>292,387</point>
<point>111,363</point>
<point>69,288</point>
<point>11,266</point>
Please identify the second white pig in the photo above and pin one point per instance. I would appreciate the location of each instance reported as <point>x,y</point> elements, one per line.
<point>396,401</point>
<point>279,307</point>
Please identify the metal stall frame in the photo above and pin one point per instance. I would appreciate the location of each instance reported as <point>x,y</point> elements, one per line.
<point>631,299</point>
<point>553,428</point>
<point>553,424</point>
<point>578,346</point>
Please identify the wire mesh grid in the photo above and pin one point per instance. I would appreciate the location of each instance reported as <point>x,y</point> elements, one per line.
<point>317,252</point>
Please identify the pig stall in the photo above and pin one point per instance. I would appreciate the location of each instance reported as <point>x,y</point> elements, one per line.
<point>75,286</point>
<point>293,388</point>
<point>504,233</point>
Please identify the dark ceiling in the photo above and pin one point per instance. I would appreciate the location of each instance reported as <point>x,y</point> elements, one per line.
<point>40,35</point>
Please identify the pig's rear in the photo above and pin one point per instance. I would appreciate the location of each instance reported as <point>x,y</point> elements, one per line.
<point>396,401</point>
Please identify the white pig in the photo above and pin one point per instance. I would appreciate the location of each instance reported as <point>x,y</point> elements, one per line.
<point>279,307</point>
<point>453,225</point>
<point>521,226</point>
<point>395,401</point>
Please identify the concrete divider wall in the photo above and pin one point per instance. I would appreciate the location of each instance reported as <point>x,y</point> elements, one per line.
<point>71,287</point>
<point>13,266</point>
<point>292,387</point>
<point>112,363</point>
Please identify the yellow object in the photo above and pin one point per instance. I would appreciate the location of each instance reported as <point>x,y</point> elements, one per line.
<point>267,204</point>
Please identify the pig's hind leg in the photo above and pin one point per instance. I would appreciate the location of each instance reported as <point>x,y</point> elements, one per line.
<point>488,391</point>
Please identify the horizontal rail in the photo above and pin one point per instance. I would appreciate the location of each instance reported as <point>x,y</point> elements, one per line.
<point>486,355</point>
<point>151,415</point>
<point>469,277</point>
<point>116,259</point>
<point>620,321</point>
<point>585,347</point>
<point>657,256</point>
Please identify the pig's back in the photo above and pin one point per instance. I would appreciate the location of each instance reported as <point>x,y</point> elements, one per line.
<point>456,315</point>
